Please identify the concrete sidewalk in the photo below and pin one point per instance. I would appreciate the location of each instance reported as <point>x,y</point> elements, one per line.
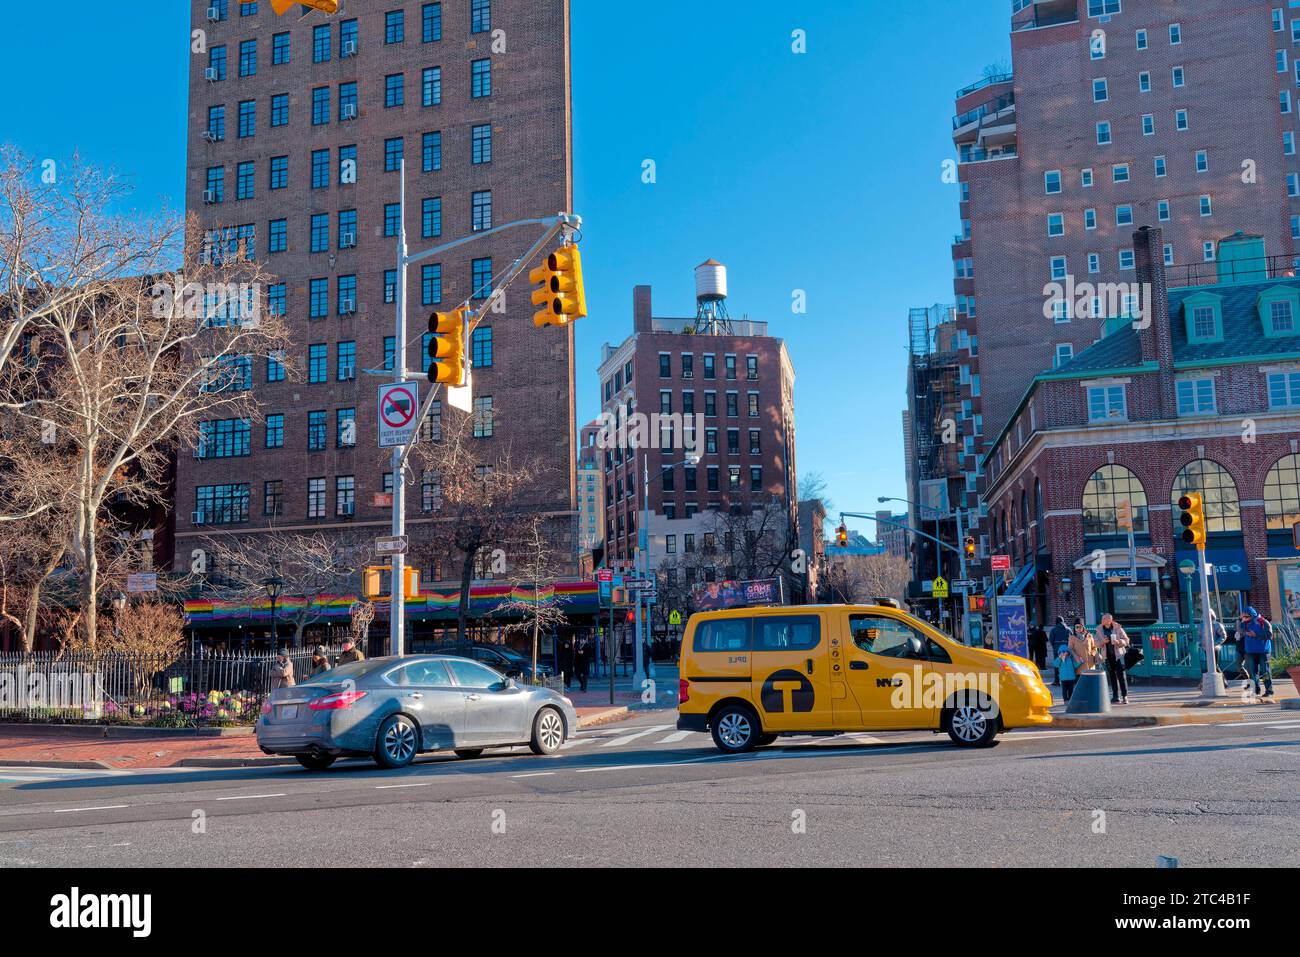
<point>1153,705</point>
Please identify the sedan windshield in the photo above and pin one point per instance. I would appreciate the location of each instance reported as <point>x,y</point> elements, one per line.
<point>353,670</point>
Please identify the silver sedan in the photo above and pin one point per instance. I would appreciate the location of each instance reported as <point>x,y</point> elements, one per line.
<point>394,708</point>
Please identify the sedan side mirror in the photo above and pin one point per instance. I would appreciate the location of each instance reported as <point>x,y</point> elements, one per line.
<point>507,685</point>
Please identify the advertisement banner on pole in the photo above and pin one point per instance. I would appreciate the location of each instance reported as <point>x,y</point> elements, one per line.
<point>1013,625</point>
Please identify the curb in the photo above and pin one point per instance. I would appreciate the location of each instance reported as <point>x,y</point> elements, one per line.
<point>608,716</point>
<point>1072,722</point>
<point>119,731</point>
<point>74,765</point>
<point>232,762</point>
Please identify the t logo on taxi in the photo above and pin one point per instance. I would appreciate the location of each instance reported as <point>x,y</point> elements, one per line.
<point>786,691</point>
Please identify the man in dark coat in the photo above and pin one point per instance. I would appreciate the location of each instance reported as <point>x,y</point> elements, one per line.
<point>1059,638</point>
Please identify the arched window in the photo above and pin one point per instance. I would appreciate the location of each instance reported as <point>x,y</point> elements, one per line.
<point>1282,493</point>
<point>1219,491</point>
<point>1109,486</point>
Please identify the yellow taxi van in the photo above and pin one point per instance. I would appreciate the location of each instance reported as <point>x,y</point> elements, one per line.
<point>749,675</point>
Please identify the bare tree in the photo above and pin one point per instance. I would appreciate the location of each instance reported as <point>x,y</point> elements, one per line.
<point>310,565</point>
<point>863,578</point>
<point>533,599</point>
<point>481,503</point>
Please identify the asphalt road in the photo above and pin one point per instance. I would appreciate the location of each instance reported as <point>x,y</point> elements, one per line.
<point>641,793</point>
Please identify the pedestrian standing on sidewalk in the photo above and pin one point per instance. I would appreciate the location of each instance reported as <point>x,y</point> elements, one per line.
<point>350,654</point>
<point>1060,639</point>
<point>1114,643</point>
<point>582,661</point>
<point>1065,672</point>
<point>282,672</point>
<point>1038,646</point>
<point>320,662</point>
<point>1256,636</point>
<point>1082,648</point>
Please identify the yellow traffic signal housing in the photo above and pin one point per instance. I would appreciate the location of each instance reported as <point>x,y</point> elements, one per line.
<point>1124,515</point>
<point>842,536</point>
<point>370,586</point>
<point>447,362</point>
<point>560,291</point>
<point>412,575</point>
<point>1193,519</point>
<point>372,581</point>
<point>970,547</point>
<point>281,7</point>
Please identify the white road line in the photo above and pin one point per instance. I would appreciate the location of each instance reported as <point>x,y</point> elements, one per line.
<point>102,807</point>
<point>574,742</point>
<point>389,787</point>
<point>1285,724</point>
<point>863,738</point>
<point>533,774</point>
<point>251,797</point>
<point>676,736</point>
<point>618,742</point>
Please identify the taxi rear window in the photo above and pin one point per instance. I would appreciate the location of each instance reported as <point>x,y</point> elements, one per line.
<point>723,634</point>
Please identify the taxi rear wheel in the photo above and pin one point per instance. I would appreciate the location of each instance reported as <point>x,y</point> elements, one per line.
<point>735,729</point>
<point>971,723</point>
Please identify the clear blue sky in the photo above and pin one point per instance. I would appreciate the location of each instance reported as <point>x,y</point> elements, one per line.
<point>818,172</point>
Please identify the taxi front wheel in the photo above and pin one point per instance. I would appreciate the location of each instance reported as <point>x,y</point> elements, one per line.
<point>971,723</point>
<point>735,729</point>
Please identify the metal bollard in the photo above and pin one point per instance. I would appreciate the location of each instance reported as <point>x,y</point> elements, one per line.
<point>1091,694</point>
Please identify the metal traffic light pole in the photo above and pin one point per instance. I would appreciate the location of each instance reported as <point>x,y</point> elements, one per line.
<point>555,225</point>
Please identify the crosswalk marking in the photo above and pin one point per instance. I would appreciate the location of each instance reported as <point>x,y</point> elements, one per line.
<point>575,742</point>
<point>677,736</point>
<point>618,742</point>
<point>1284,724</point>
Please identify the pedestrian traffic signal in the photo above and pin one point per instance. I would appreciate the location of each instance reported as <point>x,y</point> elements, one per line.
<point>1193,519</point>
<point>447,347</point>
<point>970,547</point>
<point>842,536</point>
<point>559,290</point>
<point>975,603</point>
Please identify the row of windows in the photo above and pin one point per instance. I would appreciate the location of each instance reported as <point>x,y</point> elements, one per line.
<point>1195,396</point>
<point>618,490</point>
<point>345,287</point>
<point>1113,485</point>
<point>708,362</point>
<point>615,456</point>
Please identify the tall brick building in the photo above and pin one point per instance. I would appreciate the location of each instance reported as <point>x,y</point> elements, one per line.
<point>297,127</point>
<point>1206,398</point>
<point>1180,114</point>
<point>735,389</point>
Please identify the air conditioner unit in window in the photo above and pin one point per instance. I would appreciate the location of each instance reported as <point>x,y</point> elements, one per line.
<point>347,241</point>
<point>210,136</point>
<point>349,48</point>
<point>214,14</point>
<point>210,74</point>
<point>347,374</point>
<point>347,307</point>
<point>347,510</point>
<point>209,196</point>
<point>197,518</point>
<point>348,111</point>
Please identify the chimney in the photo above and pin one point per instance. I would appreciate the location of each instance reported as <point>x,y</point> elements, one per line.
<point>1155,332</point>
<point>641,314</point>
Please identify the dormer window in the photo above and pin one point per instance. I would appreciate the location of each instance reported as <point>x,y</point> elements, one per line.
<point>1203,317</point>
<point>1279,311</point>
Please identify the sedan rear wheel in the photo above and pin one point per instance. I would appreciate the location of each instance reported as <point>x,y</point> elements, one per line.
<point>548,732</point>
<point>397,743</point>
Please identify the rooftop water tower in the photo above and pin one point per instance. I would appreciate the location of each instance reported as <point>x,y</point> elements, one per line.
<point>711,299</point>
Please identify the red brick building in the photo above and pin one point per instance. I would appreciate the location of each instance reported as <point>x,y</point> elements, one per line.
<point>1177,113</point>
<point>724,394</point>
<point>1204,398</point>
<point>296,128</point>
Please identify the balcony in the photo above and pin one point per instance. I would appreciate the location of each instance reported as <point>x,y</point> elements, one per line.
<point>1034,14</point>
<point>1215,273</point>
<point>990,80</point>
<point>979,154</point>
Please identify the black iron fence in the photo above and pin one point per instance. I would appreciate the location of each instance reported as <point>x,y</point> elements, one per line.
<point>163,690</point>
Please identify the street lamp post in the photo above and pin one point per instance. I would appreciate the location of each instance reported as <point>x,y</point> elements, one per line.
<point>961,554</point>
<point>274,586</point>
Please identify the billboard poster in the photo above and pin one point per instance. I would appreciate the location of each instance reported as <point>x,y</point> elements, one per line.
<point>1289,580</point>
<point>934,499</point>
<point>1013,626</point>
<point>711,596</point>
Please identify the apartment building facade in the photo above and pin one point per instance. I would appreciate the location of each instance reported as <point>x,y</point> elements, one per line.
<point>297,132</point>
<point>1178,114</point>
<point>721,441</point>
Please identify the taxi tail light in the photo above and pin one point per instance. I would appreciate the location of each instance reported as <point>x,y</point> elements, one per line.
<point>334,702</point>
<point>683,690</point>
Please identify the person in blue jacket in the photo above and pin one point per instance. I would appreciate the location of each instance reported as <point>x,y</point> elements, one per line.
<point>1256,636</point>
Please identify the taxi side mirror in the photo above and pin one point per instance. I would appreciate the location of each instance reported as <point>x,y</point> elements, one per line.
<point>914,647</point>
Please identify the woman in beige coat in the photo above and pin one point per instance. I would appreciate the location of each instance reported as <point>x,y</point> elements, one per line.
<point>1082,647</point>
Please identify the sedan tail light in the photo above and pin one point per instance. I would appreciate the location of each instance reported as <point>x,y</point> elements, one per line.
<point>683,690</point>
<point>333,702</point>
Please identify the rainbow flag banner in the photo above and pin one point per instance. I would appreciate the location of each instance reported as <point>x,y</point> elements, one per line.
<point>576,598</point>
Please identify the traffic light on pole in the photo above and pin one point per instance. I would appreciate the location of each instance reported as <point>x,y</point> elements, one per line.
<point>281,7</point>
<point>842,536</point>
<point>559,291</point>
<point>447,347</point>
<point>1124,515</point>
<point>1193,519</point>
<point>970,547</point>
